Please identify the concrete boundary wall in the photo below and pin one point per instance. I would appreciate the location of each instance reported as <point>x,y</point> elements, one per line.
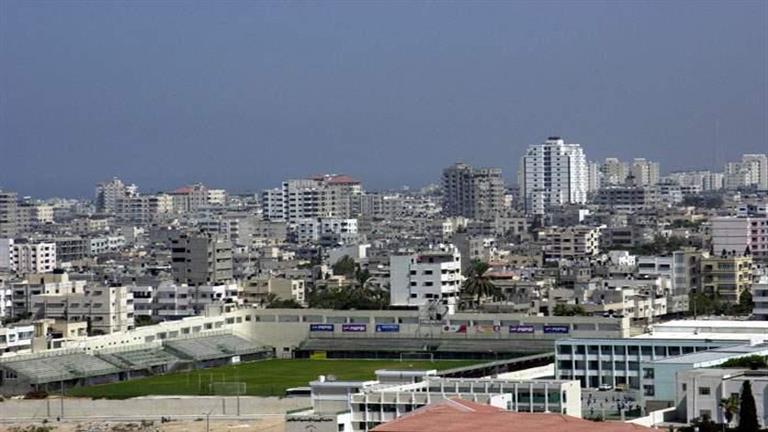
<point>149,408</point>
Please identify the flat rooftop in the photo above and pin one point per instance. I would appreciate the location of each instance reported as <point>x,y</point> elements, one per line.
<point>716,354</point>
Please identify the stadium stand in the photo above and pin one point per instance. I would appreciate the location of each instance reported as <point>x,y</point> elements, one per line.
<point>339,347</point>
<point>60,368</point>
<point>141,359</point>
<point>212,347</point>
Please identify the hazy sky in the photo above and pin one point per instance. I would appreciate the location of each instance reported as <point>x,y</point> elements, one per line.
<point>241,94</point>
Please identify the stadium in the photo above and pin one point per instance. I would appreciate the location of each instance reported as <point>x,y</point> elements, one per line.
<point>230,337</point>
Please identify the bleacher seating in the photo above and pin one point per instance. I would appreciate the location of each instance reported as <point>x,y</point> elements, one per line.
<point>60,368</point>
<point>140,359</point>
<point>212,347</point>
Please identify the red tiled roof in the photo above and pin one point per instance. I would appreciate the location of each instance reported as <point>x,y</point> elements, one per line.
<point>183,190</point>
<point>457,415</point>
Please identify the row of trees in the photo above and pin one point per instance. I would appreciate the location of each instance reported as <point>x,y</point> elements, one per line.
<point>360,294</point>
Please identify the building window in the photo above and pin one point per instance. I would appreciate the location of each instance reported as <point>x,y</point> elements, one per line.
<point>704,391</point>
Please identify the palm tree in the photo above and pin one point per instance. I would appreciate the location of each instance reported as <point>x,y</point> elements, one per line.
<point>478,285</point>
<point>730,406</point>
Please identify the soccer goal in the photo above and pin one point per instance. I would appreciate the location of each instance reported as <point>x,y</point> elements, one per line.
<point>228,388</point>
<point>417,355</point>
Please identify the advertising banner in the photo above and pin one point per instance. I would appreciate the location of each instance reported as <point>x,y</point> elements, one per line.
<point>321,327</point>
<point>387,328</point>
<point>354,328</point>
<point>524,329</point>
<point>561,329</point>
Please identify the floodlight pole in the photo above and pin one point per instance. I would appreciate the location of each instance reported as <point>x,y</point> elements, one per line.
<point>61,399</point>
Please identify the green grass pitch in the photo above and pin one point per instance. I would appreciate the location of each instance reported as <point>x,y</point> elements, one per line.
<point>262,378</point>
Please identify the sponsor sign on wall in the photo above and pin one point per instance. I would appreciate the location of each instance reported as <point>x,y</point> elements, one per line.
<point>321,327</point>
<point>557,329</point>
<point>354,328</point>
<point>524,329</point>
<point>388,328</point>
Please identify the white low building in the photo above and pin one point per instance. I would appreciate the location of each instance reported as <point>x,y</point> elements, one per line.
<point>701,391</point>
<point>17,339</point>
<point>432,275</point>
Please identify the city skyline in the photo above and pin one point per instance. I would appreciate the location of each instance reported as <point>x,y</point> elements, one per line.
<point>245,96</point>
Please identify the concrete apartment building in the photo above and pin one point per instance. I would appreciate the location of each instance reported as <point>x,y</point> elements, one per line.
<point>329,195</point>
<point>16,338</point>
<point>201,258</point>
<point>644,172</point>
<point>627,198</point>
<point>171,301</point>
<point>8,214</point>
<point>554,173</point>
<point>569,243</point>
<point>726,276</point>
<point>736,234</point>
<point>758,167</point>
<point>475,193</point>
<point>424,277</point>
<point>258,289</point>
<point>110,195</point>
<point>56,283</point>
<point>30,256</point>
<point>614,171</point>
<point>311,230</point>
<point>106,309</point>
<point>760,297</point>
<point>30,216</point>
<point>703,181</point>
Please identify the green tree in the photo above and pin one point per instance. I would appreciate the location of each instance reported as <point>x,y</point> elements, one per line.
<point>272,301</point>
<point>730,406</point>
<point>345,266</point>
<point>477,285</point>
<point>143,320</point>
<point>563,309</point>
<point>747,410</point>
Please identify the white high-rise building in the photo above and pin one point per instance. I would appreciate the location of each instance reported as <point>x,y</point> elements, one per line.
<point>758,165</point>
<point>595,176</point>
<point>476,193</point>
<point>328,195</point>
<point>615,172</point>
<point>555,173</point>
<point>110,195</point>
<point>644,172</point>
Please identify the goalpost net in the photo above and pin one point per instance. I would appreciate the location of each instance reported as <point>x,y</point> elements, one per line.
<point>228,388</point>
<point>417,355</point>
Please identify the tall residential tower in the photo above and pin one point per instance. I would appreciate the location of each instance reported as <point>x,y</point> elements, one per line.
<point>554,174</point>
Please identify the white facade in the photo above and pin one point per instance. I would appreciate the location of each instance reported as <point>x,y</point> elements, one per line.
<point>323,196</point>
<point>109,195</point>
<point>760,297</point>
<point>554,174</point>
<point>737,233</point>
<point>7,255</point>
<point>17,339</point>
<point>645,172</point>
<point>103,245</point>
<point>34,257</point>
<point>701,391</point>
<point>171,301</point>
<point>758,166</point>
<point>107,309</point>
<point>309,230</point>
<point>417,279</point>
<point>272,206</point>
